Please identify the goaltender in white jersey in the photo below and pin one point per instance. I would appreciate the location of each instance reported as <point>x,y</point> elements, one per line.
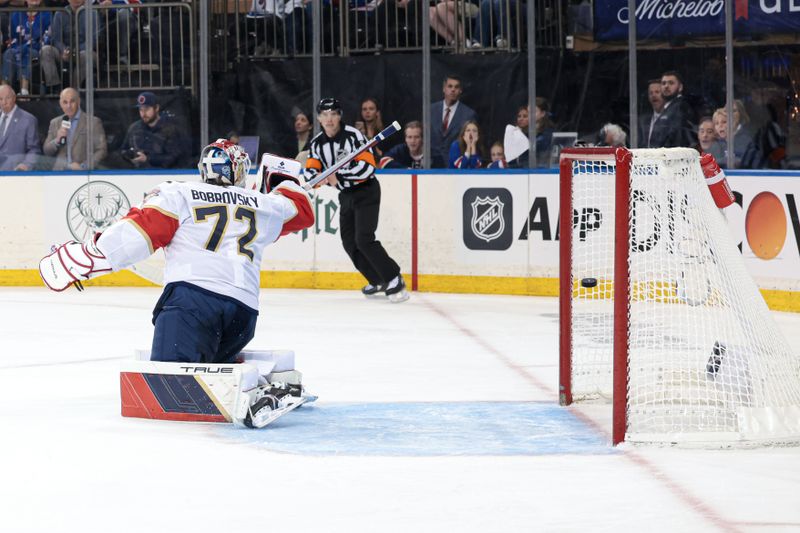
<point>213,234</point>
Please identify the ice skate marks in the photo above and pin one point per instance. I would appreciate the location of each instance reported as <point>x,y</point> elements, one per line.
<point>428,429</point>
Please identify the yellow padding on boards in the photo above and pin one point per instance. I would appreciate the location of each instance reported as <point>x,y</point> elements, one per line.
<point>776,300</point>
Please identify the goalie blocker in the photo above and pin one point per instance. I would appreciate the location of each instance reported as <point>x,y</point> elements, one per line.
<point>261,388</point>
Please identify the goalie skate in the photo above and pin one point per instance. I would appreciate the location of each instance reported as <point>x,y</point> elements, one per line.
<point>267,403</point>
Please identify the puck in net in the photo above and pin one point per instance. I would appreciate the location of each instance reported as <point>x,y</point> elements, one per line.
<point>589,282</point>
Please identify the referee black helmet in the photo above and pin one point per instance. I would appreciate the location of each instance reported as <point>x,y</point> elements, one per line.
<point>329,104</point>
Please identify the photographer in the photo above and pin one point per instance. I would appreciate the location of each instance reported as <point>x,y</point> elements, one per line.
<point>66,138</point>
<point>154,141</point>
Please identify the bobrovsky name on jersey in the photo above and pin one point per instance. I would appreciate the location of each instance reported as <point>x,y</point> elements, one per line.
<point>226,197</point>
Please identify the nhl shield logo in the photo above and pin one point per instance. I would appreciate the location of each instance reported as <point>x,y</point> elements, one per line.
<point>487,218</point>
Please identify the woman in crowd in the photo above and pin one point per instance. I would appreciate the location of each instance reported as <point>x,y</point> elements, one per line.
<point>515,135</point>
<point>370,122</point>
<point>302,129</point>
<point>466,152</point>
<point>744,151</point>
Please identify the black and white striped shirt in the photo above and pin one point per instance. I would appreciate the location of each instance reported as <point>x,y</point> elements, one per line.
<point>324,151</point>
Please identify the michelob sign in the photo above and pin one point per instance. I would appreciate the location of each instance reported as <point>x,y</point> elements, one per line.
<point>668,19</point>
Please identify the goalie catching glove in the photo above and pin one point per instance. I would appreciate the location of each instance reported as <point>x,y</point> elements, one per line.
<point>73,262</point>
<point>275,170</point>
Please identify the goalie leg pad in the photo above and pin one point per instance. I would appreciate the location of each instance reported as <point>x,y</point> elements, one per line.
<point>196,392</point>
<point>72,262</point>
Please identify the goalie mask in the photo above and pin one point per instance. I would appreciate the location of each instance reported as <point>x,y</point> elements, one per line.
<point>224,163</point>
<point>275,169</point>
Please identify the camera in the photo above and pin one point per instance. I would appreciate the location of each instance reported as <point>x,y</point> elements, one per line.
<point>129,153</point>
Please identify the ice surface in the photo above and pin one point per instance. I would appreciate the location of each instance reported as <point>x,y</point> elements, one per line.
<point>438,414</point>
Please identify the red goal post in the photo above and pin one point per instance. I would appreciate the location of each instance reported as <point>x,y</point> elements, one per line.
<point>622,158</point>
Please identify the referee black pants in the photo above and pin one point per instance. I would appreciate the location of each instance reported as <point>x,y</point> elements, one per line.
<point>358,219</point>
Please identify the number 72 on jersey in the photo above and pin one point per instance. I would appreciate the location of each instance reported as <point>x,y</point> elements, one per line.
<point>220,215</point>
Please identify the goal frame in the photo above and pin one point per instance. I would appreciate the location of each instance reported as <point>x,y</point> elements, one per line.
<point>622,195</point>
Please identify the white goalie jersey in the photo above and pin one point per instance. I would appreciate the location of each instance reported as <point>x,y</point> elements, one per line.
<point>213,237</point>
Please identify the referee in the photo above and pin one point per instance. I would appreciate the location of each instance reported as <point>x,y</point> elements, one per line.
<point>359,199</point>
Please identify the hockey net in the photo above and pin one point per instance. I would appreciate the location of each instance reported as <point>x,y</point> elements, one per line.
<point>659,314</point>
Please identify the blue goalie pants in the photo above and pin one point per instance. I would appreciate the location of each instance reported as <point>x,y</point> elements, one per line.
<point>193,325</point>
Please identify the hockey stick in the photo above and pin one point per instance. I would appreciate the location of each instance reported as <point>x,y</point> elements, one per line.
<point>393,128</point>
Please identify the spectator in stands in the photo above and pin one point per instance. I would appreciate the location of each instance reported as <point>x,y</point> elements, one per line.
<point>370,118</point>
<point>409,154</point>
<point>492,25</point>
<point>370,122</point>
<point>66,138</point>
<point>330,25</point>
<point>265,22</point>
<point>155,141</point>
<point>28,31</point>
<point>498,156</point>
<point>744,150</point>
<point>293,26</point>
<point>770,141</point>
<point>705,135</point>
<point>647,121</point>
<point>719,148</point>
<point>5,16</point>
<point>19,142</point>
<point>118,22</point>
<point>60,47</point>
<point>516,139</point>
<point>303,129</point>
<point>673,127</point>
<point>447,118</point>
<point>467,151</point>
<point>544,131</point>
<point>612,135</point>
<point>447,20</point>
<point>399,23</point>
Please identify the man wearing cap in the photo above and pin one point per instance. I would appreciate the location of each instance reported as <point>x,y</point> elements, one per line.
<point>154,141</point>
<point>359,199</point>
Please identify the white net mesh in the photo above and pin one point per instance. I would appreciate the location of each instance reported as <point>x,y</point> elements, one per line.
<point>706,361</point>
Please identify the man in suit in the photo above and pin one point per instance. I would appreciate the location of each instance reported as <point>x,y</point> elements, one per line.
<point>447,117</point>
<point>19,142</point>
<point>66,138</point>
<point>674,126</point>
<point>647,121</point>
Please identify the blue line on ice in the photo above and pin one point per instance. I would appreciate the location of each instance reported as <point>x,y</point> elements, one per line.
<point>427,429</point>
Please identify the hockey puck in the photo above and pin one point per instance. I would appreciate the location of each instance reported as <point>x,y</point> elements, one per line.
<point>589,282</point>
